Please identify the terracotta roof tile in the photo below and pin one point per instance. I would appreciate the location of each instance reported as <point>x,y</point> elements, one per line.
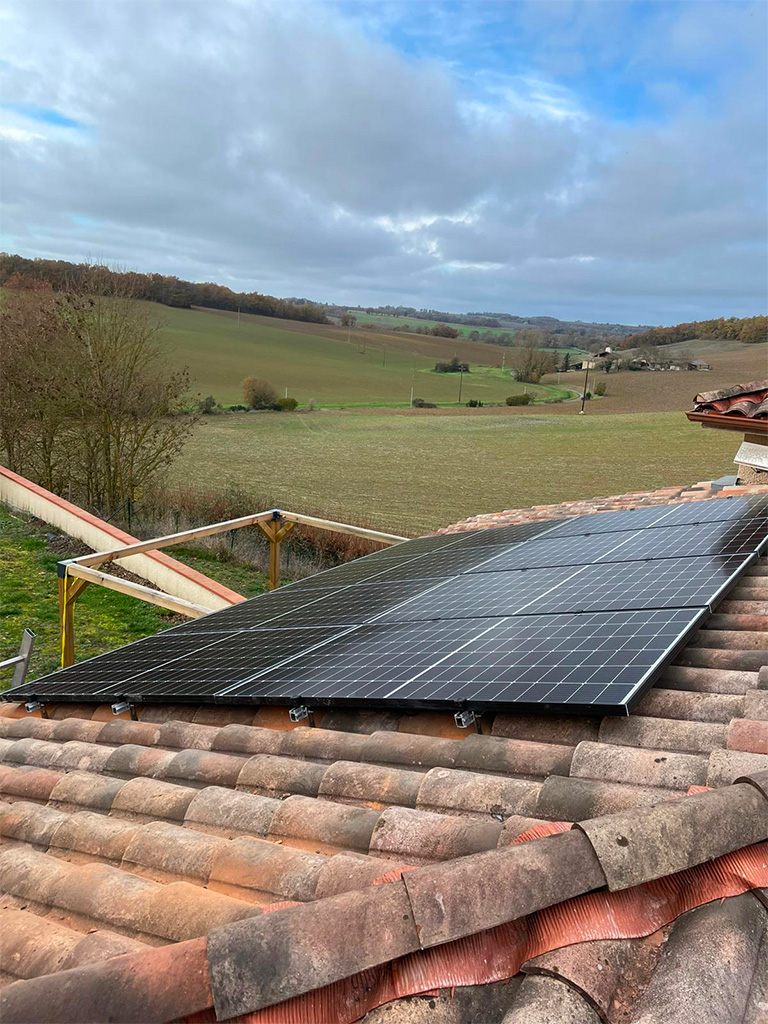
<point>543,1000</point>
<point>748,400</point>
<point>707,966</point>
<point>323,824</point>
<point>651,842</point>
<point>444,789</point>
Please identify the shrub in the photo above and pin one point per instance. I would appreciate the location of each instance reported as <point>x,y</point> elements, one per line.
<point>444,331</point>
<point>600,388</point>
<point>259,394</point>
<point>474,403</point>
<point>207,405</point>
<point>453,367</point>
<point>287,404</point>
<point>311,405</point>
<point>421,403</point>
<point>525,399</point>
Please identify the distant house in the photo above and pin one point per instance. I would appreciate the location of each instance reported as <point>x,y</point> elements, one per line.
<point>689,364</point>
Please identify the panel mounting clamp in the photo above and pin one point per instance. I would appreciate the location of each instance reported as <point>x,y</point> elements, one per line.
<point>121,706</point>
<point>36,705</point>
<point>298,714</point>
<point>464,719</point>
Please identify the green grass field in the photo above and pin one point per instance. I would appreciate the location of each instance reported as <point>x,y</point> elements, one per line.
<point>219,354</point>
<point>411,472</point>
<point>382,320</point>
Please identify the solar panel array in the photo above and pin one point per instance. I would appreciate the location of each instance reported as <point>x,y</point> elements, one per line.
<point>574,616</point>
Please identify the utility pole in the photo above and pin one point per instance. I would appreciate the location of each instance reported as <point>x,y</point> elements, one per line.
<point>411,396</point>
<point>461,380</point>
<point>584,394</point>
<point>503,360</point>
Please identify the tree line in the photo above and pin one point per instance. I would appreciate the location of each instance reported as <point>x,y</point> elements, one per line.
<point>750,330</point>
<point>22,273</point>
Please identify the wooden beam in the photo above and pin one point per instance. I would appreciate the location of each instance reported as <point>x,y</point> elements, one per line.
<point>174,604</point>
<point>274,515</point>
<point>167,541</point>
<point>333,527</point>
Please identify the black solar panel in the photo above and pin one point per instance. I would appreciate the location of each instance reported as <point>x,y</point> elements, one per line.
<point>608,522</point>
<point>482,662</point>
<point>579,661</point>
<point>480,594</point>
<point>657,583</point>
<point>751,506</point>
<point>577,615</point>
<point>513,534</point>
<point>364,663</point>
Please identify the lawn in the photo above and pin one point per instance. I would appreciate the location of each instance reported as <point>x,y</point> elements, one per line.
<point>411,472</point>
<point>323,367</point>
<point>104,619</point>
<point>28,599</point>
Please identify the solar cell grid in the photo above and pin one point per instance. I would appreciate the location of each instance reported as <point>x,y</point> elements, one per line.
<point>721,538</point>
<point>555,551</point>
<point>352,606</point>
<point>366,662</point>
<point>657,583</point>
<point>257,611</point>
<point>479,594</point>
<point>752,506</point>
<point>418,546</point>
<point>610,522</point>
<point>441,563</point>
<point>597,650</point>
<point>352,572</point>
<point>515,533</point>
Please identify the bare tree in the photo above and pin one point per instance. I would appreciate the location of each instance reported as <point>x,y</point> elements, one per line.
<point>87,403</point>
<point>529,362</point>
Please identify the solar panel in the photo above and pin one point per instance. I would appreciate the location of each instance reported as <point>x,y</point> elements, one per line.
<point>656,583</point>
<point>751,506</point>
<point>608,522</point>
<point>480,594</point>
<point>578,661</point>
<point>516,533</point>
<point>720,538</point>
<point>574,615</point>
<point>505,662</point>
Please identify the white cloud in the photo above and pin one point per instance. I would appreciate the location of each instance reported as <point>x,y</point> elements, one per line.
<point>285,148</point>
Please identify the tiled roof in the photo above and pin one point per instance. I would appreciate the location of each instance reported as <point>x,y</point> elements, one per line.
<point>209,862</point>
<point>740,402</point>
<point>703,491</point>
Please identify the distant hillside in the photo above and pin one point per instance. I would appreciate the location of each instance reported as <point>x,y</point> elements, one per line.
<point>19,272</point>
<point>748,330</point>
<point>483,323</point>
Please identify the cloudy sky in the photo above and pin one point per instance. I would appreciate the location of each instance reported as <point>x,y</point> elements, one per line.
<point>600,160</point>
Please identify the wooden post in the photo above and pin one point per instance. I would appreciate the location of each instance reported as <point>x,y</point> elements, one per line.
<point>275,532</point>
<point>69,591</point>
